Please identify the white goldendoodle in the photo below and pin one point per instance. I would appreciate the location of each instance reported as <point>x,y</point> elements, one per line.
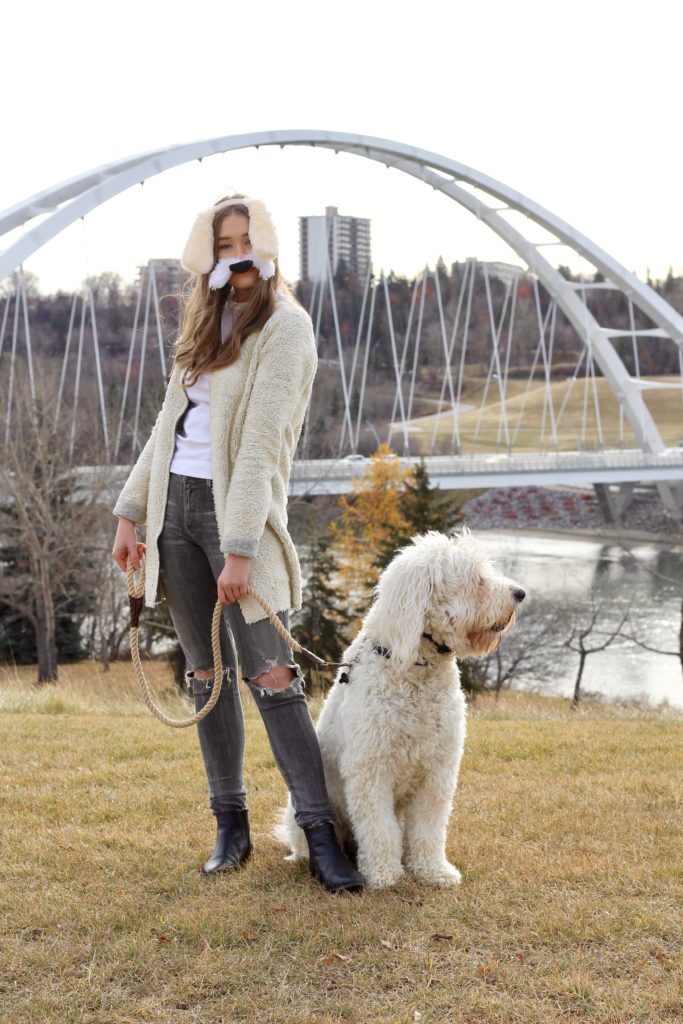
<point>392,728</point>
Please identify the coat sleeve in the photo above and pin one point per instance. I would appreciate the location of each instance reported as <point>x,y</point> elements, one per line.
<point>132,501</point>
<point>277,405</point>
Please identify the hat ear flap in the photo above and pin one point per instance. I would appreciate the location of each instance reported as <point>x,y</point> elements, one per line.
<point>262,233</point>
<point>198,254</point>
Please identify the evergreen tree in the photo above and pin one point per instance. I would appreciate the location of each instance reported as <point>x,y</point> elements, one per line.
<point>421,507</point>
<point>323,623</point>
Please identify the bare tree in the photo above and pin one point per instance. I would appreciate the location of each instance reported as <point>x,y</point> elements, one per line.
<point>109,619</point>
<point>667,579</point>
<point>48,514</point>
<point>658,650</point>
<point>528,650</point>
<point>579,636</point>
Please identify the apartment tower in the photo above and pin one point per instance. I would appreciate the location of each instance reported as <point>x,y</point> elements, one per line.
<point>334,238</point>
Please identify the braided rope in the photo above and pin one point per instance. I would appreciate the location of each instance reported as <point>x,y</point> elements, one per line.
<point>135,594</point>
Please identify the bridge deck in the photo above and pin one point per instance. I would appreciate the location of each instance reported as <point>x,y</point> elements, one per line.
<point>459,472</point>
<point>463,472</point>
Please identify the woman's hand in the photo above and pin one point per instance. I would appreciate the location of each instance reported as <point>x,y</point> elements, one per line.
<point>232,582</point>
<point>126,543</point>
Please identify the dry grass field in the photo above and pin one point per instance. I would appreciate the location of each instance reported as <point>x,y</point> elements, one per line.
<point>567,828</point>
<point>529,422</point>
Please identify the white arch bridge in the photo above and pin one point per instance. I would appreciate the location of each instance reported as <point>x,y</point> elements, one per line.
<point>479,406</point>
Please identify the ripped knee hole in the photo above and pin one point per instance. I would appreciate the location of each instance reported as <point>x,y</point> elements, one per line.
<point>277,679</point>
<point>198,681</point>
<point>280,677</point>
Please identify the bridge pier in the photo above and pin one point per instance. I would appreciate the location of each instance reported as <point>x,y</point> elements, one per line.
<point>614,500</point>
<point>672,498</point>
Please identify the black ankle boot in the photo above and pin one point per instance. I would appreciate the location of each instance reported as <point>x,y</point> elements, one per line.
<point>327,862</point>
<point>233,845</point>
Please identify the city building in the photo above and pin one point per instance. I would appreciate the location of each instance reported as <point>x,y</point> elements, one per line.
<point>335,238</point>
<point>169,276</point>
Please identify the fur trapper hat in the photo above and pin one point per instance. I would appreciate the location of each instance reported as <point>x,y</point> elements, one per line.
<point>198,254</point>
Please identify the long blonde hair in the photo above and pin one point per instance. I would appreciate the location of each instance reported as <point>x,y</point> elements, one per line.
<point>199,346</point>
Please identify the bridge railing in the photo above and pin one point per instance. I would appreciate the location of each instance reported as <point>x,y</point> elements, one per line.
<point>612,459</point>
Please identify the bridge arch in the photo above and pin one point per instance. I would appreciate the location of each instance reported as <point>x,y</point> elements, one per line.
<point>66,202</point>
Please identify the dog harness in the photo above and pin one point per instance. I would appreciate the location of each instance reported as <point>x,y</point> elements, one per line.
<point>385,652</point>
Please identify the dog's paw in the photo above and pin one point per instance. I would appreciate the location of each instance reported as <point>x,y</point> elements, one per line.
<point>385,878</point>
<point>437,874</point>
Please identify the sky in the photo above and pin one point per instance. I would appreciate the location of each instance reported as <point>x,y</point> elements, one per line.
<point>576,106</point>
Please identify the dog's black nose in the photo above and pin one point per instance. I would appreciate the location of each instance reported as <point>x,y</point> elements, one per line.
<point>519,595</point>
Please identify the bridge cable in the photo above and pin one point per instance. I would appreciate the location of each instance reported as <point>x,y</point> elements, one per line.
<point>508,353</point>
<point>455,433</point>
<point>418,339</point>
<point>65,360</point>
<point>463,353</point>
<point>454,336</point>
<point>27,340</point>
<point>570,386</point>
<point>590,385</point>
<point>442,328</point>
<point>547,398</point>
<point>366,356</point>
<point>129,363</point>
<point>489,373</point>
<point>316,317</point>
<point>634,340</point>
<point>394,355</point>
<point>596,404</point>
<point>307,417</point>
<point>496,331</point>
<point>98,370</point>
<point>525,394</point>
<point>359,333</point>
<point>406,344</point>
<point>340,350</point>
<point>12,363</point>
<point>157,317</point>
<point>494,361</point>
<point>141,369</point>
<point>5,315</point>
<point>77,382</point>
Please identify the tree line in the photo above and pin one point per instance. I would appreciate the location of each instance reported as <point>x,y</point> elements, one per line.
<point>115,303</point>
<point>63,599</point>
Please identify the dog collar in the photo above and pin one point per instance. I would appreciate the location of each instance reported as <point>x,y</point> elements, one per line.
<point>441,648</point>
<point>385,652</point>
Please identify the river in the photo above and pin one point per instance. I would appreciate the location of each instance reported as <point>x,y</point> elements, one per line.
<point>565,575</point>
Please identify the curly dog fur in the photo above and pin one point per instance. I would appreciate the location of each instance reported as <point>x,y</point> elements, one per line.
<point>392,736</point>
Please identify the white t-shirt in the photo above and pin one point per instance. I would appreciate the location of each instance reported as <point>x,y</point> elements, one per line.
<point>192,455</point>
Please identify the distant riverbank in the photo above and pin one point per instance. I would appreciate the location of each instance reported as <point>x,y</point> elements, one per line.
<point>570,510</point>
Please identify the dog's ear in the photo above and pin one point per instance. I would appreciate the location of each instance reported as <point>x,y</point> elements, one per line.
<point>397,617</point>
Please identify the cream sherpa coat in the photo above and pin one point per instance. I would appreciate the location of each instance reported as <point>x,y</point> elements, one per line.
<point>257,408</point>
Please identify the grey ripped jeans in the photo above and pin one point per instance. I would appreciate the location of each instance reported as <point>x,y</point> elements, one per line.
<point>190,563</point>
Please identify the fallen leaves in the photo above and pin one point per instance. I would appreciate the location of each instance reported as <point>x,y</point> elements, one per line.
<point>333,958</point>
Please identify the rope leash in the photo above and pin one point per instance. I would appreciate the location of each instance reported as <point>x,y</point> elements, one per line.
<point>136,600</point>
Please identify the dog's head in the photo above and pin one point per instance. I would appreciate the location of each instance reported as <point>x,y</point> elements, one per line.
<point>445,586</point>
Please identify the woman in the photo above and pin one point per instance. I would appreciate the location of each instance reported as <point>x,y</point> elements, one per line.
<point>211,485</point>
